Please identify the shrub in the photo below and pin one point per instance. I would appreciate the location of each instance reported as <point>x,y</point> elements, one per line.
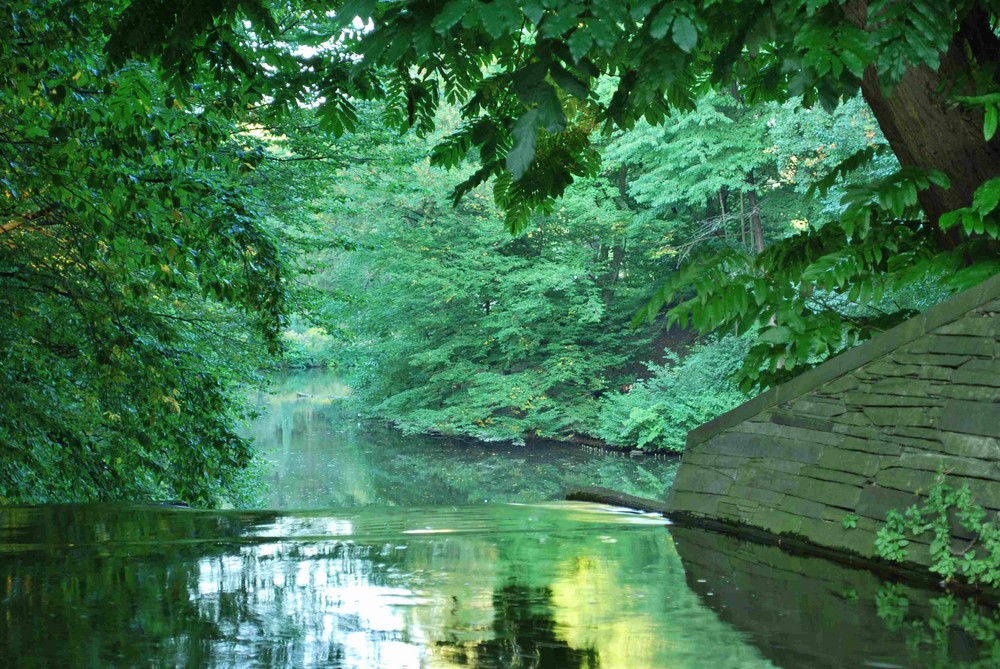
<point>680,394</point>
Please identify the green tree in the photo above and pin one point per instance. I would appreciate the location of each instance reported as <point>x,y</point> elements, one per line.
<point>529,77</point>
<point>452,325</point>
<point>133,255</point>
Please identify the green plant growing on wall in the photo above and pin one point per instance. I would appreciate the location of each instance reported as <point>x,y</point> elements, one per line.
<point>978,562</point>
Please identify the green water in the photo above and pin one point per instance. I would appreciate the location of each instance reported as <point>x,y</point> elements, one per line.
<point>323,456</point>
<point>540,584</point>
<point>550,585</point>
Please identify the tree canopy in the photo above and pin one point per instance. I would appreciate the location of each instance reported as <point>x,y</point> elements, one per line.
<point>132,257</point>
<point>535,79</point>
<point>646,155</point>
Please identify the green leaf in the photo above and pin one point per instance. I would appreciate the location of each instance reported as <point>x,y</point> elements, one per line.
<point>987,197</point>
<point>550,111</point>
<point>579,43</point>
<point>952,218</point>
<point>661,22</point>
<point>534,10</point>
<point>450,15</point>
<point>498,17</point>
<point>776,335</point>
<point>569,82</point>
<point>365,9</point>
<point>990,122</point>
<point>685,34</point>
<point>525,132</point>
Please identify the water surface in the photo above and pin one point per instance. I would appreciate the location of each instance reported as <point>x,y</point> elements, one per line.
<point>423,553</point>
<point>323,455</point>
<point>549,586</point>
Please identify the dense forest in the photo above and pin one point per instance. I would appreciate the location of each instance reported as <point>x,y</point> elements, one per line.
<point>559,219</point>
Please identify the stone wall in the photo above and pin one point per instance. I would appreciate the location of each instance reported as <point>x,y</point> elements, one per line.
<point>863,433</point>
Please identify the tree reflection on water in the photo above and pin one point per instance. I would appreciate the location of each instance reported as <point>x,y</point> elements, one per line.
<point>542,586</point>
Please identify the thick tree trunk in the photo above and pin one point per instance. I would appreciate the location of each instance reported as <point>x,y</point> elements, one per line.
<point>926,131</point>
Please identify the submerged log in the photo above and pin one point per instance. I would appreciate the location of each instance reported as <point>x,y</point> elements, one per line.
<point>600,495</point>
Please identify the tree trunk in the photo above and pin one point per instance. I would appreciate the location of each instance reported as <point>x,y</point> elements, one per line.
<point>756,229</point>
<point>924,130</point>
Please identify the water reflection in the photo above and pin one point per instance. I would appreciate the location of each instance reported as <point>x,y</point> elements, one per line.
<point>564,585</point>
<point>809,612</point>
<point>547,586</point>
<point>324,457</point>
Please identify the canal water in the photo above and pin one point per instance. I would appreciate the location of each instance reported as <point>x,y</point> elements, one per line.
<point>384,551</point>
<point>322,455</point>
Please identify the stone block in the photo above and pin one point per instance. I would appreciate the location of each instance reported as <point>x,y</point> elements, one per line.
<point>985,448</point>
<point>978,373</point>
<point>694,502</point>
<point>807,508</point>
<point>887,368</point>
<point>762,417</point>
<point>732,462</point>
<point>835,475</point>
<point>913,442</point>
<point>953,345</point>
<point>907,480</point>
<point>791,418</point>
<point>913,416</point>
<point>883,367</point>
<point>932,360</point>
<point>875,399</point>
<point>865,524</point>
<point>704,479</point>
<point>973,325</point>
<point>740,513</point>
<point>772,467</point>
<point>840,385</point>
<point>835,535</point>
<point>828,492</point>
<point>985,493</point>
<point>920,388</point>
<point>876,446</point>
<point>972,393</point>
<point>755,494</point>
<point>925,433</point>
<point>814,407</point>
<point>919,553</point>
<point>979,418</point>
<point>777,522</point>
<point>792,434</point>
<point>855,462</point>
<point>852,417</point>
<point>730,443</point>
<point>876,501</point>
<point>953,464</point>
<point>783,483</point>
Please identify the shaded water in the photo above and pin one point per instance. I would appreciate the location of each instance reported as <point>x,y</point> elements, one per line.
<point>546,585</point>
<point>323,456</point>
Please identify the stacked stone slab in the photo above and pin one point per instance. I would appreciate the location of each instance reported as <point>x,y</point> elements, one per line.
<point>863,433</point>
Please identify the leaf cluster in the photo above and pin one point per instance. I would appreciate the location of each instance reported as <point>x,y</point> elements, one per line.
<point>139,284</point>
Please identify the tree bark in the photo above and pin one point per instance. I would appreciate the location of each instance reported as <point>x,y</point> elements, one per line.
<point>926,131</point>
